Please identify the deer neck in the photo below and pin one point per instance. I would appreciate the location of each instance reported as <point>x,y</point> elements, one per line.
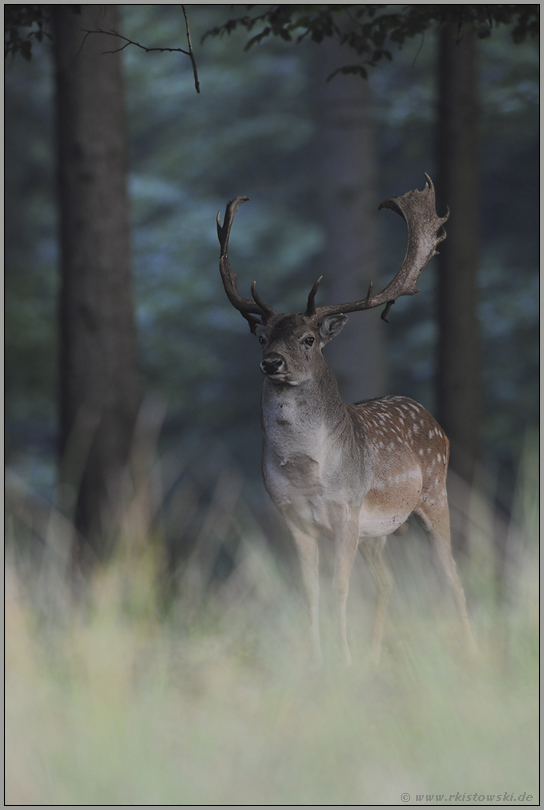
<point>299,420</point>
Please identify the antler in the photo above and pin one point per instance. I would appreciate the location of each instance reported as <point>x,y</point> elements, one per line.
<point>425,232</point>
<point>310,309</point>
<point>250,309</point>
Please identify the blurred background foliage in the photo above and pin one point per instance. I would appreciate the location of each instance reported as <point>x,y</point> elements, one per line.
<point>254,130</point>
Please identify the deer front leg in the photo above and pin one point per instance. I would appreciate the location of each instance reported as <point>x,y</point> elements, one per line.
<point>308,554</point>
<point>372,551</point>
<point>346,541</point>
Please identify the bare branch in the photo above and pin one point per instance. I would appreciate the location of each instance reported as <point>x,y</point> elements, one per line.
<point>191,54</point>
<point>419,49</point>
<point>128,42</point>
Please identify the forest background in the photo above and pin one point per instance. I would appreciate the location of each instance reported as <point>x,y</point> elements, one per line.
<point>256,129</point>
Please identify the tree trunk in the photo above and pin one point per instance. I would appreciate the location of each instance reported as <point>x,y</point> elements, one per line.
<point>458,186</point>
<point>98,376</point>
<point>349,207</point>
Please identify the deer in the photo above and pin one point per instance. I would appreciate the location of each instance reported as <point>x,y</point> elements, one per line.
<point>348,473</point>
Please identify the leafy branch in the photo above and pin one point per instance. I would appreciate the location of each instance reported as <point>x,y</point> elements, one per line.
<point>17,17</point>
<point>367,28</point>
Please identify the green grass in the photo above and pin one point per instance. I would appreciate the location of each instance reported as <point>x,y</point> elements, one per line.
<point>110,699</point>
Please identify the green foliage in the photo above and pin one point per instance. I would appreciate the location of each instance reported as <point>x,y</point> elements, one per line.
<point>367,28</point>
<point>17,17</point>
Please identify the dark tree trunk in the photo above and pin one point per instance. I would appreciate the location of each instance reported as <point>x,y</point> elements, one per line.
<point>458,186</point>
<point>99,387</point>
<point>349,204</point>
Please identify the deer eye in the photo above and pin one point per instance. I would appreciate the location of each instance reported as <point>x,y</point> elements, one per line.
<point>262,340</point>
<point>309,340</point>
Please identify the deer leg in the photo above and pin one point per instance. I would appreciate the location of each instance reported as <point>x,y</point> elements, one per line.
<point>344,557</point>
<point>372,551</point>
<point>308,554</point>
<point>437,524</point>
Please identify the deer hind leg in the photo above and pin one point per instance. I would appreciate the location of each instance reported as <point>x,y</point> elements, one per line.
<point>308,554</point>
<point>437,523</point>
<point>372,551</point>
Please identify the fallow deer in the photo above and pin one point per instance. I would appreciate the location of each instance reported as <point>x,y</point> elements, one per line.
<point>350,473</point>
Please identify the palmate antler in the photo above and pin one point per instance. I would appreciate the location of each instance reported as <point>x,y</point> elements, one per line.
<point>256,311</point>
<point>425,232</point>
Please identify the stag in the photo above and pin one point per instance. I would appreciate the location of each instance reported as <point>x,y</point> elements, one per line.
<point>349,473</point>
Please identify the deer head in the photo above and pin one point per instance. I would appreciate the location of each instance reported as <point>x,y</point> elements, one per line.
<point>307,333</point>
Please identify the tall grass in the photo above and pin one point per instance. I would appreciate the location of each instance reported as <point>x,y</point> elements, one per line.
<point>116,696</point>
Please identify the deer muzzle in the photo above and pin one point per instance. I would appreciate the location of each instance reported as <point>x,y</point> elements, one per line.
<point>272,364</point>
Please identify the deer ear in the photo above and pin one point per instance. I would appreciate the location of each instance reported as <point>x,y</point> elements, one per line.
<point>330,327</point>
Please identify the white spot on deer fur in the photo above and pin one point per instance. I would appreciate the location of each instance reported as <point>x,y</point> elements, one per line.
<point>431,434</point>
<point>439,457</point>
<point>381,445</point>
<point>421,452</point>
<point>401,478</point>
<point>428,449</point>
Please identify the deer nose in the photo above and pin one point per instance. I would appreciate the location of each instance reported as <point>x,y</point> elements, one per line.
<point>272,364</point>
